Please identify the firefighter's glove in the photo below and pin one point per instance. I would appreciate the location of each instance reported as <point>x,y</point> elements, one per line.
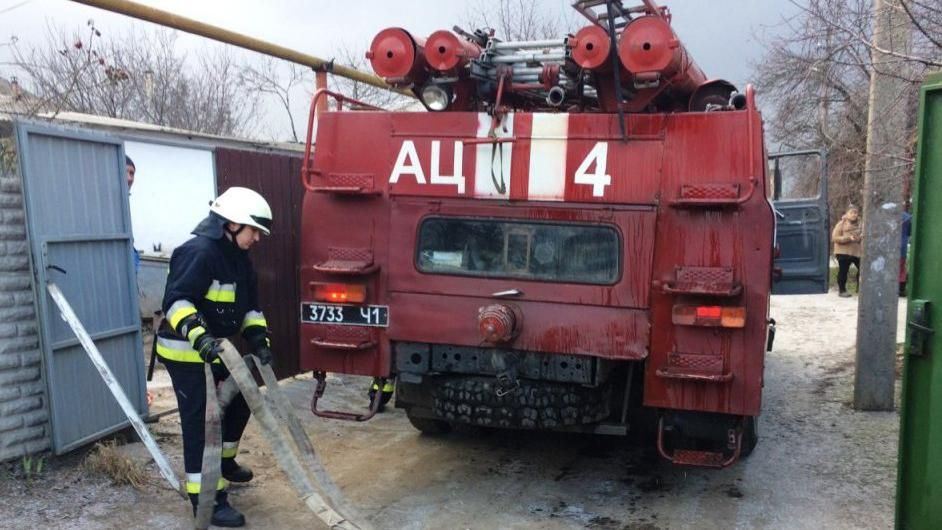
<point>261,346</point>
<point>263,354</point>
<point>208,346</point>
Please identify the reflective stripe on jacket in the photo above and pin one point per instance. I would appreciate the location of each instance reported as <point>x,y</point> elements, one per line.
<point>214,279</point>
<point>170,349</point>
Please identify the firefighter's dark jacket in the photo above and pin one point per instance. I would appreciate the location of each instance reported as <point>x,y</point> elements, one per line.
<point>211,279</point>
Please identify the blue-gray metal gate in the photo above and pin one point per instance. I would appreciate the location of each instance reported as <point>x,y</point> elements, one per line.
<point>79,222</point>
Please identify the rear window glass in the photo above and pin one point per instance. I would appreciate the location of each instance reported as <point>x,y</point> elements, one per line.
<point>512,249</point>
<point>795,175</point>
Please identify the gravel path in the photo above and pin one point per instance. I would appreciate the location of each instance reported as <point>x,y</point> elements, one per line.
<point>819,463</point>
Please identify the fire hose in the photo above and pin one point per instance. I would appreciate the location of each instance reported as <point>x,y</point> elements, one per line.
<point>299,461</point>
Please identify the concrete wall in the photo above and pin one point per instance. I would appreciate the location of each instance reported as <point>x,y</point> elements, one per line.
<point>24,418</point>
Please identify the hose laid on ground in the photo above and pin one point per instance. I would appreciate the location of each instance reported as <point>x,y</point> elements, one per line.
<point>287,458</point>
<point>317,474</point>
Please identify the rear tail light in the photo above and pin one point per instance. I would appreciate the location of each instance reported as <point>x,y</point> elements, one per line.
<point>710,312</point>
<point>339,293</point>
<point>709,315</point>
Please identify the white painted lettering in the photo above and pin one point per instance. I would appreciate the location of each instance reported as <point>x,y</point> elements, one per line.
<point>457,177</point>
<point>407,163</point>
<point>599,179</point>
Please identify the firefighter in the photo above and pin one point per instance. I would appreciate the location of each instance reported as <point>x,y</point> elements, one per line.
<point>211,294</point>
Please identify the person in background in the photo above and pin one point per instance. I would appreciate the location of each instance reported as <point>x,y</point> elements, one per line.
<point>847,236</point>
<point>131,169</point>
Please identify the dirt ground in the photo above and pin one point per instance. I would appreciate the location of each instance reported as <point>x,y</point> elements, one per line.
<point>819,463</point>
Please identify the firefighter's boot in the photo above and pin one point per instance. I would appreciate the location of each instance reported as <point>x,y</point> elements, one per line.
<point>233,472</point>
<point>387,393</point>
<point>224,515</point>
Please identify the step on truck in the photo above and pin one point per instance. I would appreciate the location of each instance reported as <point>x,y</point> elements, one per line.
<point>574,234</point>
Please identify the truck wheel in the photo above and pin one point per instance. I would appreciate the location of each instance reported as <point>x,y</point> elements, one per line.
<point>429,426</point>
<point>750,435</point>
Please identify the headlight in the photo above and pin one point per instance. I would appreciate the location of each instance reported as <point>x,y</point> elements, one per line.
<point>436,97</point>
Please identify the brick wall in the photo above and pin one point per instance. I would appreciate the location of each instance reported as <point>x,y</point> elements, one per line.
<point>24,418</point>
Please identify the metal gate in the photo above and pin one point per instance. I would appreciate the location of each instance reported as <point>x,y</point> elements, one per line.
<point>80,237</point>
<point>918,495</point>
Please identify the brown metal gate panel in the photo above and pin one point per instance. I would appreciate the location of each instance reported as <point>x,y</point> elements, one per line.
<point>277,178</point>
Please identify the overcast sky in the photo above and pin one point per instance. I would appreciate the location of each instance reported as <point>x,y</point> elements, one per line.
<point>720,34</point>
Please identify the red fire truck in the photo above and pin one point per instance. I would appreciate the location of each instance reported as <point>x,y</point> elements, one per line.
<point>575,235</point>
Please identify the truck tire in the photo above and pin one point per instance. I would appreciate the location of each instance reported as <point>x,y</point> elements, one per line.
<point>750,435</point>
<point>534,405</point>
<point>429,426</point>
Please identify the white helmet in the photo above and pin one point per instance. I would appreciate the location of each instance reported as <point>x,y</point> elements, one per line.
<point>245,207</point>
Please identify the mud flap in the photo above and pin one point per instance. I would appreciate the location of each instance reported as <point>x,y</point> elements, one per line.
<point>770,337</point>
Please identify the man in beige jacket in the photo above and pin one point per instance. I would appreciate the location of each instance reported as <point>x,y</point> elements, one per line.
<point>846,236</point>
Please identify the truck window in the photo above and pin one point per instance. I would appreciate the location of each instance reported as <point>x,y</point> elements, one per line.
<point>795,175</point>
<point>570,253</point>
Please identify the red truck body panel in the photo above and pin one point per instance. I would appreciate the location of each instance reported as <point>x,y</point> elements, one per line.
<point>685,192</point>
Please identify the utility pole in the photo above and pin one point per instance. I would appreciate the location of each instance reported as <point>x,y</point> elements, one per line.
<point>876,308</point>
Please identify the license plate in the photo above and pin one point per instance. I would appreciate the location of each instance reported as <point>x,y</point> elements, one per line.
<point>345,315</point>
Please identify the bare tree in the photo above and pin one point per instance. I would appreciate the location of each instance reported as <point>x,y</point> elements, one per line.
<point>284,82</point>
<point>372,95</point>
<point>815,75</point>
<point>521,20</point>
<point>141,77</point>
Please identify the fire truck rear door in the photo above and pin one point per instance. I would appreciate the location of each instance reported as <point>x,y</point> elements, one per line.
<point>802,234</point>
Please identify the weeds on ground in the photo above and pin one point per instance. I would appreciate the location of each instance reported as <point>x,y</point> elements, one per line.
<point>31,466</point>
<point>106,459</point>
